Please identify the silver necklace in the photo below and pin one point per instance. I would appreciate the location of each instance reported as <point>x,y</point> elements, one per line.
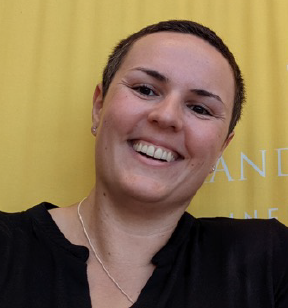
<point>98,258</point>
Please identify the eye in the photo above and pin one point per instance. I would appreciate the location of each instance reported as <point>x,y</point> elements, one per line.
<point>199,110</point>
<point>145,90</point>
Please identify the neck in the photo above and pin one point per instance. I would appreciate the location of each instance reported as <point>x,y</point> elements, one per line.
<point>127,232</point>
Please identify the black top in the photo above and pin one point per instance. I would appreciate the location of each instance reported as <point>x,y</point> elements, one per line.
<point>210,262</point>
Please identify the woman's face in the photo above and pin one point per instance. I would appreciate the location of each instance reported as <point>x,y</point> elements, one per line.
<point>173,94</point>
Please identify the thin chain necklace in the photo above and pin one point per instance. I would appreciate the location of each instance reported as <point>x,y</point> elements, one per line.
<point>98,258</point>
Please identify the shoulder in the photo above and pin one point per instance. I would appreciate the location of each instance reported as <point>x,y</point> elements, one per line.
<point>252,250</point>
<point>18,232</point>
<point>13,231</point>
<point>260,245</point>
<point>253,229</point>
<point>263,240</point>
<point>16,227</point>
<point>256,237</point>
<point>9,223</point>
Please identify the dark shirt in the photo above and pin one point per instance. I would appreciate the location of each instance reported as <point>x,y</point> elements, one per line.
<point>208,262</point>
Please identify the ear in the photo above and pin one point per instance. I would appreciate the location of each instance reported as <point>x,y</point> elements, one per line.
<point>97,106</point>
<point>224,146</point>
<point>226,143</point>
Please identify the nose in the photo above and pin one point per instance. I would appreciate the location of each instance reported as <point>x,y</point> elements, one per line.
<point>167,113</point>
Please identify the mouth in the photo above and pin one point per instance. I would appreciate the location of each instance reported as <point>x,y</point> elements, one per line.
<point>154,152</point>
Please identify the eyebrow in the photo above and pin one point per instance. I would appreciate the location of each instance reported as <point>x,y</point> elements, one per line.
<point>153,74</point>
<point>162,78</point>
<point>202,92</point>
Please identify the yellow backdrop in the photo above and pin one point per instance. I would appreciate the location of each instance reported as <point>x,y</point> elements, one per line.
<point>51,56</point>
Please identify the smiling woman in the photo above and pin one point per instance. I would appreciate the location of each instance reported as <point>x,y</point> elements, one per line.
<point>164,113</point>
<point>156,99</point>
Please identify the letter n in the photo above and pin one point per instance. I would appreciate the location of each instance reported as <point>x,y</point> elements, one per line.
<point>250,162</point>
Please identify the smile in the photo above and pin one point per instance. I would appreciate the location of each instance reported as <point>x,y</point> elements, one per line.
<point>154,151</point>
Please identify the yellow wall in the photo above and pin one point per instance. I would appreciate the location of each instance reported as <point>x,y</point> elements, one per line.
<point>51,56</point>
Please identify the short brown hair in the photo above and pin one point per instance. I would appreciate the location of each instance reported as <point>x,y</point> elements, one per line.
<point>181,26</point>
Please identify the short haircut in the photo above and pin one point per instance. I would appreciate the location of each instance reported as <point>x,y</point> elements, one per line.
<point>179,26</point>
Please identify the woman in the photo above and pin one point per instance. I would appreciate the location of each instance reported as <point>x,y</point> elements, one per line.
<point>170,98</point>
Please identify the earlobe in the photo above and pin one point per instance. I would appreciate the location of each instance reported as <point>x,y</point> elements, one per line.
<point>97,105</point>
<point>94,130</point>
<point>212,169</point>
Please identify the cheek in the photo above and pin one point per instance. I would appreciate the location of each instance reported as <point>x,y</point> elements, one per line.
<point>205,142</point>
<point>115,110</point>
<point>122,112</point>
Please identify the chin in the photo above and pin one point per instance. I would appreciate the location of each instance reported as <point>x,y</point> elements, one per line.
<point>146,192</point>
<point>157,196</point>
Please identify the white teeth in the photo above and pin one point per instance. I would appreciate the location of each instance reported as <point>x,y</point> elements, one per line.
<point>144,149</point>
<point>169,157</point>
<point>150,151</point>
<point>158,153</point>
<point>154,152</point>
<point>164,156</point>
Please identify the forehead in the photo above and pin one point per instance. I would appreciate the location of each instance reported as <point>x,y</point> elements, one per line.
<point>183,57</point>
